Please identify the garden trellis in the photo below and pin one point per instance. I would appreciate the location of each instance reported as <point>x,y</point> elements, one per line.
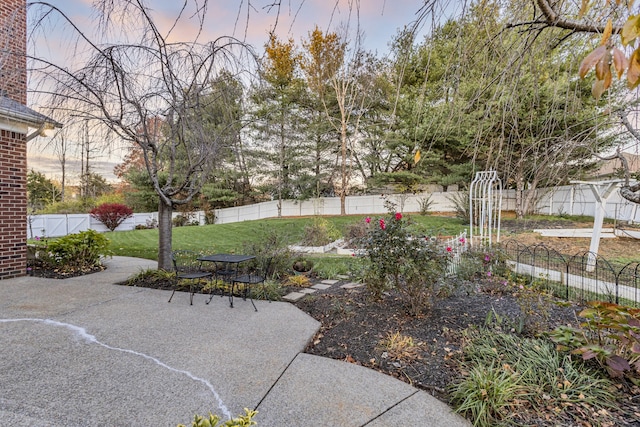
<point>485,206</point>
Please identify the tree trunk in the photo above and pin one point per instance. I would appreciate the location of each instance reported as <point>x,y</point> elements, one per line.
<point>343,190</point>
<point>519,195</point>
<point>164,231</point>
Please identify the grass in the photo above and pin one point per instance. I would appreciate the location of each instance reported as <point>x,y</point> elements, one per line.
<point>229,238</point>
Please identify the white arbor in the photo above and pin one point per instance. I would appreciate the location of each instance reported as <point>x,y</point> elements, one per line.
<point>485,206</point>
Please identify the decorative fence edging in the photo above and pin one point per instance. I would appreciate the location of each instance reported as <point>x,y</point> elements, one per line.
<point>613,283</point>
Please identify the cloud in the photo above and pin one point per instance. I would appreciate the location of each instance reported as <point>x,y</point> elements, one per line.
<point>51,168</point>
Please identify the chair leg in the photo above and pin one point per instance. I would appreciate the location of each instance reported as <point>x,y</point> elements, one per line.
<point>174,291</point>
<point>231,294</point>
<point>251,298</point>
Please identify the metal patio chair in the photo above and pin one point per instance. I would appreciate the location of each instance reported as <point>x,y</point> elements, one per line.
<point>187,267</point>
<point>250,279</point>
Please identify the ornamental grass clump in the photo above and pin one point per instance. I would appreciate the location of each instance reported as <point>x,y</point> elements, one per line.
<point>397,259</point>
<point>503,372</point>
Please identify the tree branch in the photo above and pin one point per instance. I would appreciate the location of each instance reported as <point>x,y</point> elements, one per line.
<point>552,18</point>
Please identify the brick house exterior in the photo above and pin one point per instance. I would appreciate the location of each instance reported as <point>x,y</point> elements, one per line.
<point>15,121</point>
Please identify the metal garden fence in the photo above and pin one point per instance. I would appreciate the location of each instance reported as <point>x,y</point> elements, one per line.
<point>575,278</point>
<point>456,245</point>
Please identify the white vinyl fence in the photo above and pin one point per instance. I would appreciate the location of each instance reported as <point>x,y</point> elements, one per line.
<point>571,200</point>
<point>63,224</point>
<point>578,199</point>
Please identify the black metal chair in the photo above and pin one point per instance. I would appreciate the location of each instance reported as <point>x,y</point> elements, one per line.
<point>187,267</point>
<point>249,279</point>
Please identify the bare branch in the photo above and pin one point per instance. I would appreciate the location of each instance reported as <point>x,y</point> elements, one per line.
<point>553,19</point>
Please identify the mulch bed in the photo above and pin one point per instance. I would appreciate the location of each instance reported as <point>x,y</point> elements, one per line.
<point>354,327</point>
<point>38,270</point>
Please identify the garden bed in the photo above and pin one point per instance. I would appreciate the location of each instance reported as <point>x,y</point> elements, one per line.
<point>424,351</point>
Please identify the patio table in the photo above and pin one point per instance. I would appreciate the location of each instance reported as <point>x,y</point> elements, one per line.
<point>229,265</point>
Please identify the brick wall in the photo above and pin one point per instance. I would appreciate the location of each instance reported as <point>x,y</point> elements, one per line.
<point>13,204</point>
<point>13,146</point>
<point>13,47</point>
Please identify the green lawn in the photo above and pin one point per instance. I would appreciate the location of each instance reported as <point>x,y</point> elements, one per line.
<point>230,237</point>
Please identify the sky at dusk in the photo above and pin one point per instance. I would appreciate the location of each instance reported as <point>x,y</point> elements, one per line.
<point>246,20</point>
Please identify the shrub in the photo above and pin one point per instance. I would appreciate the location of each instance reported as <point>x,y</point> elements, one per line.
<point>610,334</point>
<point>111,214</point>
<point>356,232</point>
<point>76,252</point>
<point>270,249</point>
<point>184,220</point>
<point>321,232</point>
<point>158,279</point>
<point>425,205</point>
<point>270,290</point>
<point>486,267</point>
<point>213,420</point>
<point>395,259</point>
<point>461,206</point>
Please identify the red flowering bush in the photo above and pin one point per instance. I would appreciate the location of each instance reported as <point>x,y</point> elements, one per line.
<point>398,259</point>
<point>111,214</point>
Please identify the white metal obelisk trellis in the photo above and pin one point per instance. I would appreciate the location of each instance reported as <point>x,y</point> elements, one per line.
<point>602,191</point>
<point>485,207</point>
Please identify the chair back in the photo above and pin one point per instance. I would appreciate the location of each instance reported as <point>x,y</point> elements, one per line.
<point>185,261</point>
<point>261,266</point>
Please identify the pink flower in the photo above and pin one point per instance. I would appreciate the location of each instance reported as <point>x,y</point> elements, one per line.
<point>37,237</point>
<point>382,224</point>
<point>488,274</point>
<point>521,287</point>
<point>449,249</point>
<point>367,220</point>
<point>462,240</point>
<point>398,216</point>
<point>487,258</point>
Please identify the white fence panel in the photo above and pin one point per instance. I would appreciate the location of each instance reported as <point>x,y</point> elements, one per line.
<point>572,200</point>
<point>54,225</point>
<point>79,222</point>
<point>580,200</point>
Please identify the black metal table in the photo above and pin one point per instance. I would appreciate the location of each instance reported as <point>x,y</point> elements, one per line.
<point>229,267</point>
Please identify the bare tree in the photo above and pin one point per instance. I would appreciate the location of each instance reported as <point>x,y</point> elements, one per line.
<point>336,68</point>
<point>147,76</point>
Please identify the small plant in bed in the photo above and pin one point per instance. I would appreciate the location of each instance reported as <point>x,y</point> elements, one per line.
<point>302,265</point>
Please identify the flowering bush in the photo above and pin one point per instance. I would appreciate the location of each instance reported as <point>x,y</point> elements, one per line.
<point>111,214</point>
<point>396,259</point>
